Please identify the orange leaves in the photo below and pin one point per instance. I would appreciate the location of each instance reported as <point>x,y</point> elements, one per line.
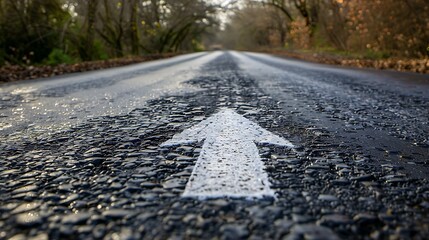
<point>397,27</point>
<point>299,34</point>
<point>398,64</point>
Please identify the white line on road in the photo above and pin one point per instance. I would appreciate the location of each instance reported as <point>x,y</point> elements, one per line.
<point>229,164</point>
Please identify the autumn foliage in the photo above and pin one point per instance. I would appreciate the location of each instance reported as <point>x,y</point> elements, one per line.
<point>373,29</point>
<point>41,34</point>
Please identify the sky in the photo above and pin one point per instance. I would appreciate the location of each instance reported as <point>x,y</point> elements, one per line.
<point>223,16</point>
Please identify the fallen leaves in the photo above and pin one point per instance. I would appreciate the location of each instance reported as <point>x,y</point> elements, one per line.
<point>11,73</point>
<point>410,65</point>
<point>398,64</point>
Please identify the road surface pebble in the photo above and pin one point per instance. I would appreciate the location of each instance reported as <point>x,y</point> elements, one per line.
<point>107,178</point>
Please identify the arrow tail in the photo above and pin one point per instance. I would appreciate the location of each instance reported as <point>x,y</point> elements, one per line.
<point>228,166</point>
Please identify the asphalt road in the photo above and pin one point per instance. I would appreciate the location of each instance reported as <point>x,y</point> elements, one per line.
<point>115,154</point>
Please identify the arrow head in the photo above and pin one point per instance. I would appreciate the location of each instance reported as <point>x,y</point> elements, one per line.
<point>225,120</point>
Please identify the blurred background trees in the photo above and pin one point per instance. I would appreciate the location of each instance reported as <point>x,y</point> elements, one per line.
<point>65,31</point>
<point>22,39</point>
<point>56,31</point>
<point>375,28</point>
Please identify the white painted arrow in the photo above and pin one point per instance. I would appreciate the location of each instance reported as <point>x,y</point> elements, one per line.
<point>229,164</point>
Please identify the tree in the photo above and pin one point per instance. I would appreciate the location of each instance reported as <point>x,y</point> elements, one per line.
<point>370,27</point>
<point>169,24</point>
<point>256,26</point>
<point>25,39</point>
<point>389,26</point>
<point>83,36</point>
<point>333,24</point>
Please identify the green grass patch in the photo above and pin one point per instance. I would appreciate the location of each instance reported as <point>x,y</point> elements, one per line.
<point>57,56</point>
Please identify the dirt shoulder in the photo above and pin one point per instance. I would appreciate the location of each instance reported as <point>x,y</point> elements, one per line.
<point>398,64</point>
<point>10,73</point>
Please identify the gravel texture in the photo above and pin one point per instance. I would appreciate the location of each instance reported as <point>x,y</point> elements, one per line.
<point>108,178</point>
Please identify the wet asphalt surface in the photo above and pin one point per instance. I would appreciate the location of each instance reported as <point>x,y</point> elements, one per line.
<point>360,169</point>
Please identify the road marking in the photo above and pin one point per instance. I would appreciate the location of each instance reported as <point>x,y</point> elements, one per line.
<point>229,164</point>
